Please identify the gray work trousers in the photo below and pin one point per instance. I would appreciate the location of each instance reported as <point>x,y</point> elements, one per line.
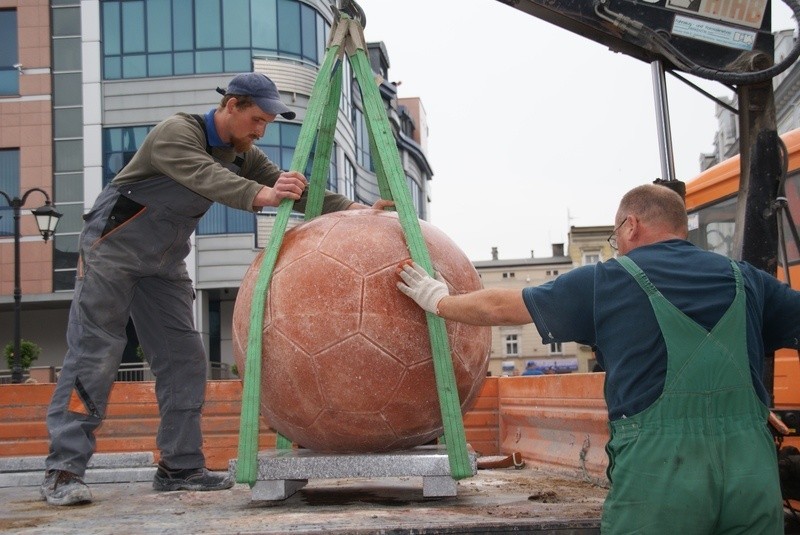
<point>132,252</point>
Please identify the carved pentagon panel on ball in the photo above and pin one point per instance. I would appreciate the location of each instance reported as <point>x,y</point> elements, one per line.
<point>406,399</point>
<point>347,371</point>
<point>355,245</point>
<point>290,389</point>
<point>353,432</point>
<point>315,300</point>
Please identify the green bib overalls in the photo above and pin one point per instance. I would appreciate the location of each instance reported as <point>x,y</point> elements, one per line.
<point>700,459</point>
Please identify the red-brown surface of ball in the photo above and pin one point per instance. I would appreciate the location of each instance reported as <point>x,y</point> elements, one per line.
<point>346,357</point>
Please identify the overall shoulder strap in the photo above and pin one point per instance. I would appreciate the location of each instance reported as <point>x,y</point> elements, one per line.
<point>202,122</point>
<point>638,275</point>
<point>238,161</point>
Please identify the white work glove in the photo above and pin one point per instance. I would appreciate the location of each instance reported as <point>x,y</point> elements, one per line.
<point>421,287</point>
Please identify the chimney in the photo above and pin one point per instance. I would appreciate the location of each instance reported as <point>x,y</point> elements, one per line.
<point>532,255</point>
<point>558,249</point>
<point>494,253</point>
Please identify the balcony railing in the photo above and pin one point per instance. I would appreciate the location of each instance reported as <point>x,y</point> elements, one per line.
<point>128,371</point>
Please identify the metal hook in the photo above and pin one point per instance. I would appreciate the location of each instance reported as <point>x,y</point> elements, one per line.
<point>354,11</point>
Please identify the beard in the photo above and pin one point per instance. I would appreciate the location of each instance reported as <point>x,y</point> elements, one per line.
<point>242,144</point>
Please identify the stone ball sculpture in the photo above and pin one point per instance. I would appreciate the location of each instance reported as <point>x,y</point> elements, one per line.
<point>346,358</point>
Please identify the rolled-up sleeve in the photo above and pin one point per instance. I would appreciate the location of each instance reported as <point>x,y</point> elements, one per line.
<point>562,309</point>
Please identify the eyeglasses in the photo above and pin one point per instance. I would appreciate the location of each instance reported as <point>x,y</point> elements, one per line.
<point>612,240</point>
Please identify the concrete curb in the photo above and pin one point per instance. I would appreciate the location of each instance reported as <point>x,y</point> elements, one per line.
<point>103,468</point>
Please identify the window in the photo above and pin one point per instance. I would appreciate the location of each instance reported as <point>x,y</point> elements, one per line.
<point>279,142</point>
<point>67,139</point>
<point>512,345</point>
<point>221,219</point>
<point>346,102</point>
<point>591,258</point>
<point>66,21</point>
<point>9,53</point>
<point>792,187</point>
<point>509,275</point>
<point>67,155</point>
<point>363,154</point>
<point>406,122</point>
<point>67,54</point>
<point>556,349</point>
<point>65,260</point>
<point>416,194</point>
<point>178,37</point>
<point>712,227</point>
<point>9,183</point>
<point>349,182</point>
<point>333,173</point>
<point>119,146</point>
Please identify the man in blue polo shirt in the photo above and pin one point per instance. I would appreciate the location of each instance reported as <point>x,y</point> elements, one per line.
<point>681,333</point>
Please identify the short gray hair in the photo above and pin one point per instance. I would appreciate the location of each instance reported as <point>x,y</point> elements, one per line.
<point>657,205</point>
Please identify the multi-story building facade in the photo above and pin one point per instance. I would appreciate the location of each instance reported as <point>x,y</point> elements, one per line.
<point>787,106</point>
<point>26,159</point>
<point>515,347</point>
<point>81,84</point>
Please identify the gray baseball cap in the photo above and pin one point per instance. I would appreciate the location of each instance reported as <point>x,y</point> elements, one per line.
<point>262,90</point>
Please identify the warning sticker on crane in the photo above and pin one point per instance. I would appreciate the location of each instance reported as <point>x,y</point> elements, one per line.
<point>711,32</point>
<point>743,12</point>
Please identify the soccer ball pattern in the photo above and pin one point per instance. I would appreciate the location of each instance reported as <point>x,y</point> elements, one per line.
<point>346,357</point>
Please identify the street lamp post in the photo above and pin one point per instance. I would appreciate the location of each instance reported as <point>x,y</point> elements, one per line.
<point>46,220</point>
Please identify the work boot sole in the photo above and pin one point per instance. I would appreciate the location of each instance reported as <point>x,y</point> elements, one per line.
<point>165,485</point>
<point>74,497</point>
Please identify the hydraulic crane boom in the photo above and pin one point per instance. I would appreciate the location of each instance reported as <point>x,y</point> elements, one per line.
<point>729,41</point>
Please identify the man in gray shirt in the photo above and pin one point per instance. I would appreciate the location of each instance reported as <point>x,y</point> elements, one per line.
<point>131,264</point>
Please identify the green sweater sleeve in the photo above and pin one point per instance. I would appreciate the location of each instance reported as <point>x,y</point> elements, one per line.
<point>258,165</point>
<point>176,148</point>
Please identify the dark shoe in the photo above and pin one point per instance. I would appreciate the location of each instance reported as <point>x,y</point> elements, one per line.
<point>64,488</point>
<point>190,479</point>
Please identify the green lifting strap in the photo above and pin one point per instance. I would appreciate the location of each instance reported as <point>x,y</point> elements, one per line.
<point>390,170</point>
<point>324,147</point>
<point>247,462</point>
<point>321,117</point>
<point>319,169</point>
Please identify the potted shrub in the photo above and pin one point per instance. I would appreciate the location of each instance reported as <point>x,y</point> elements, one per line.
<point>29,352</point>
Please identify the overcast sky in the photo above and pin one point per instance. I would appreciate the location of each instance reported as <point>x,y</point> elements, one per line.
<point>532,127</point>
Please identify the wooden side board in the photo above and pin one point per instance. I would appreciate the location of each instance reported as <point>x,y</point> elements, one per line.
<point>132,421</point>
